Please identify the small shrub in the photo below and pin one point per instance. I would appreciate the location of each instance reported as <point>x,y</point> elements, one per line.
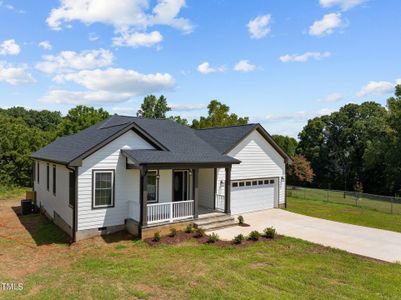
<point>254,235</point>
<point>190,228</point>
<point>212,238</point>
<point>238,239</point>
<point>240,219</point>
<point>200,232</point>
<point>269,232</point>
<point>173,232</point>
<point>156,237</point>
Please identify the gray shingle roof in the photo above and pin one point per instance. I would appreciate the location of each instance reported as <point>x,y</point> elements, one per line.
<point>142,157</point>
<point>181,143</point>
<point>66,149</point>
<point>225,138</point>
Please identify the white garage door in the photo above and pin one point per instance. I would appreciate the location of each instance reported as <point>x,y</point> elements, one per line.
<point>253,194</point>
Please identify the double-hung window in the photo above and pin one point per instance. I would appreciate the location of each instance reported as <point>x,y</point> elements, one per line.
<point>103,188</point>
<point>152,186</point>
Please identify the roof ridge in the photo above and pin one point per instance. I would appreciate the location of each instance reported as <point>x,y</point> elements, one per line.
<point>230,126</point>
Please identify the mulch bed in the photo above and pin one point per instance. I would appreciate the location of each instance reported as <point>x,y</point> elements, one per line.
<point>183,236</point>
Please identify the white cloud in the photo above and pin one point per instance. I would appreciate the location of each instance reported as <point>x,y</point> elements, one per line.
<point>138,39</point>
<point>83,97</point>
<point>5,5</point>
<point>344,4</point>
<point>15,74</point>
<point>45,45</point>
<point>325,111</point>
<point>93,36</point>
<point>120,80</point>
<point>296,117</point>
<point>70,60</point>
<point>376,87</point>
<point>187,107</point>
<point>304,57</point>
<point>123,14</point>
<point>398,81</point>
<point>128,111</point>
<point>108,86</point>
<point>333,97</point>
<point>259,27</point>
<point>327,25</point>
<point>205,68</point>
<point>165,13</point>
<point>9,47</point>
<point>244,66</point>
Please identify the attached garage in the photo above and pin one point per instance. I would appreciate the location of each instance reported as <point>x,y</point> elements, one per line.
<point>253,195</point>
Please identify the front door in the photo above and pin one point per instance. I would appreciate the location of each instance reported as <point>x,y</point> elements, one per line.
<point>180,185</point>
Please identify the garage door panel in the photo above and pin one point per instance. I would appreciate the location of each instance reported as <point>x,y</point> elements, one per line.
<point>252,198</point>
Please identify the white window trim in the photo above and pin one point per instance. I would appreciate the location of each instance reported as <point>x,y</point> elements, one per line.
<point>157,187</point>
<point>94,188</point>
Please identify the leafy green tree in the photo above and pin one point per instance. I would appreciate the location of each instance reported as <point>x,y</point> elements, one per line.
<point>179,120</point>
<point>382,156</point>
<point>17,142</point>
<point>79,118</point>
<point>219,116</point>
<point>43,119</point>
<point>154,108</point>
<point>288,144</point>
<point>336,144</point>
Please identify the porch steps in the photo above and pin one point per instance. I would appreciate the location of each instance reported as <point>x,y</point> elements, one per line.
<point>215,222</point>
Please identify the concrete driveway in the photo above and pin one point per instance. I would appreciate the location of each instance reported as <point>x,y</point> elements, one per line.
<point>376,243</point>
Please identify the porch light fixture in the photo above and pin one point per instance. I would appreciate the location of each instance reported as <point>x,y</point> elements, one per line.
<point>190,173</point>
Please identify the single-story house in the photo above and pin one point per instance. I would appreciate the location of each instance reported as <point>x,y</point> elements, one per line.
<point>137,173</point>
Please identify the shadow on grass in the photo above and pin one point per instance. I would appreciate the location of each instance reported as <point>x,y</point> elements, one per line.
<point>42,230</point>
<point>118,237</point>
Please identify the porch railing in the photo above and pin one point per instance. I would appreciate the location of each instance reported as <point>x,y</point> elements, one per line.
<point>170,211</point>
<point>220,202</point>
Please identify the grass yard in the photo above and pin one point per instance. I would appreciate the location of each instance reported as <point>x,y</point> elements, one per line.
<point>372,202</point>
<point>345,213</point>
<point>33,252</point>
<point>12,192</point>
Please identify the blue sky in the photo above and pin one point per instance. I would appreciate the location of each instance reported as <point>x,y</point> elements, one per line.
<point>278,62</point>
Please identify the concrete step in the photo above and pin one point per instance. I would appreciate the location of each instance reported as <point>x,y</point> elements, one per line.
<point>219,225</point>
<point>214,219</point>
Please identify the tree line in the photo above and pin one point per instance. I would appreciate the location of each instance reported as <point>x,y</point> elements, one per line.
<point>356,147</point>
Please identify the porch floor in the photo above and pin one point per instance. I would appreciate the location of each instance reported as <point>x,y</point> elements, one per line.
<point>204,212</point>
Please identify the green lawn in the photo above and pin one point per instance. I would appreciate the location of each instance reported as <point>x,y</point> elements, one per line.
<point>374,202</point>
<point>12,192</point>
<point>345,213</point>
<point>285,268</point>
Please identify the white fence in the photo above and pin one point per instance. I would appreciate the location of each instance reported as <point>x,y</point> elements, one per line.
<point>220,202</point>
<point>170,211</point>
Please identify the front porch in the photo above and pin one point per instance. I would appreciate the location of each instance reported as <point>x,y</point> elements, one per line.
<point>183,194</point>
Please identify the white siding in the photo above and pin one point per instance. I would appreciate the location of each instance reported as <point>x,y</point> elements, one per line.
<point>126,184</point>
<point>165,185</point>
<point>258,160</point>
<point>206,188</point>
<point>58,203</point>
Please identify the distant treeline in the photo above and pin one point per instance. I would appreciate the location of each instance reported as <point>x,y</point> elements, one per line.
<point>357,147</point>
